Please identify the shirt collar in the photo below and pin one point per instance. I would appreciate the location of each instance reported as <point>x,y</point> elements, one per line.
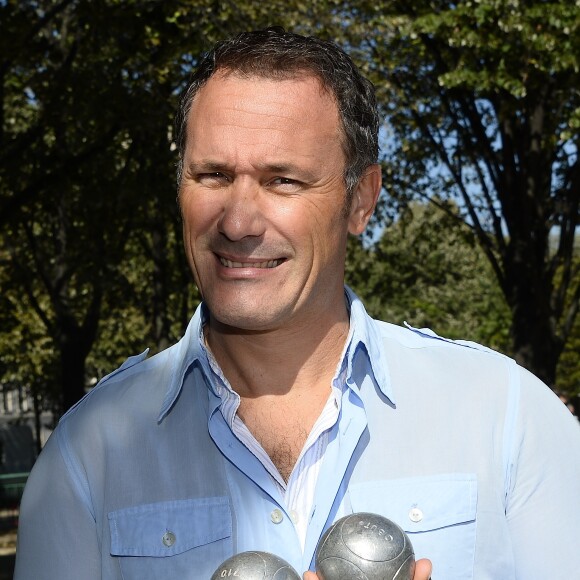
<point>364,339</point>
<point>187,352</point>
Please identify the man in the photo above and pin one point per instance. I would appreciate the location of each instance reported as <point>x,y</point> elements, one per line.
<point>285,407</point>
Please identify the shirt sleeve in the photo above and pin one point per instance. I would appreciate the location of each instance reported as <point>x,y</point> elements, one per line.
<point>543,499</point>
<point>57,537</point>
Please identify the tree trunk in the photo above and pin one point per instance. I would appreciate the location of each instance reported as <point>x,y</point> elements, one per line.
<point>75,342</point>
<point>534,343</point>
<point>534,330</point>
<point>73,356</point>
<point>37,423</point>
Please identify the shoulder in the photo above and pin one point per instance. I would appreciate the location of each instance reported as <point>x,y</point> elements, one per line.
<point>436,352</point>
<point>430,371</point>
<point>141,384</point>
<point>410,337</point>
<point>123,407</point>
<point>466,370</point>
<point>137,387</point>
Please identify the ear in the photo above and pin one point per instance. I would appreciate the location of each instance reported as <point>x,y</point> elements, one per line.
<point>364,199</point>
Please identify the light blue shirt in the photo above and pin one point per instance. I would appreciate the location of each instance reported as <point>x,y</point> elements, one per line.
<point>475,458</point>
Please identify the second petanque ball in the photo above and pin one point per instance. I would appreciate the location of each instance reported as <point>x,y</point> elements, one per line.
<point>256,566</point>
<point>365,546</point>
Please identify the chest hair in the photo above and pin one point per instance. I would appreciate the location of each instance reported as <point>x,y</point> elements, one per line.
<point>282,434</point>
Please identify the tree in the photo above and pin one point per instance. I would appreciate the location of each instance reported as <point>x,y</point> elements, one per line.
<point>482,106</point>
<point>86,173</point>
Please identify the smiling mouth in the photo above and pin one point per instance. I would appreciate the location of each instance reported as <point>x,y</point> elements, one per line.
<point>264,265</point>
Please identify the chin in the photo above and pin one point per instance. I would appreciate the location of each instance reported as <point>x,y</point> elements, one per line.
<point>247,318</point>
<point>239,324</point>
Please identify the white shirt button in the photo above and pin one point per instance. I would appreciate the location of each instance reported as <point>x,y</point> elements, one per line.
<point>168,539</point>
<point>276,516</point>
<point>294,516</point>
<point>415,515</point>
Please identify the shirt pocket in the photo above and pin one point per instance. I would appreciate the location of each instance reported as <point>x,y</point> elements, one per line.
<point>437,512</point>
<point>185,539</point>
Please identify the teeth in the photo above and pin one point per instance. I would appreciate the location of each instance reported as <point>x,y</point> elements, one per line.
<point>266,264</point>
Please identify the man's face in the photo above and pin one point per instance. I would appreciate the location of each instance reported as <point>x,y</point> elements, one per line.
<point>262,197</point>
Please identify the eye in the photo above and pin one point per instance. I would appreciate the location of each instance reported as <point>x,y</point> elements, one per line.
<point>285,183</point>
<point>212,178</point>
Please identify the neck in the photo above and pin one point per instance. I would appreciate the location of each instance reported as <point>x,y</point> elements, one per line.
<point>282,361</point>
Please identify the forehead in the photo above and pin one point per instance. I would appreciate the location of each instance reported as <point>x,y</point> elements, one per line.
<point>298,104</point>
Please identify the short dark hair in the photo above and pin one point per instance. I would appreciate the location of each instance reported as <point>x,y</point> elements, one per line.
<point>276,53</point>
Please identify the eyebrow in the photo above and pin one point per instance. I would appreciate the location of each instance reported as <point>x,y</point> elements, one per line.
<point>209,165</point>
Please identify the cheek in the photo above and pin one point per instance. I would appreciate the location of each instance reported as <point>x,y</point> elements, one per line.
<point>327,241</point>
<point>198,214</point>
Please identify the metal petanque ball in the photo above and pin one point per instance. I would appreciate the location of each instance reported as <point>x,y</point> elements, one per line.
<point>255,566</point>
<point>365,546</point>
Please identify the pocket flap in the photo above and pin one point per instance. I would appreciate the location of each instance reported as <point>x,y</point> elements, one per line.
<point>169,528</point>
<point>419,504</point>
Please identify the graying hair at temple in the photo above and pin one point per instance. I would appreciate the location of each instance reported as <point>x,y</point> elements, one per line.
<point>277,54</point>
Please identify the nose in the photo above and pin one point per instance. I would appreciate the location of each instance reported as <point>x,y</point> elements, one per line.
<point>242,215</point>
